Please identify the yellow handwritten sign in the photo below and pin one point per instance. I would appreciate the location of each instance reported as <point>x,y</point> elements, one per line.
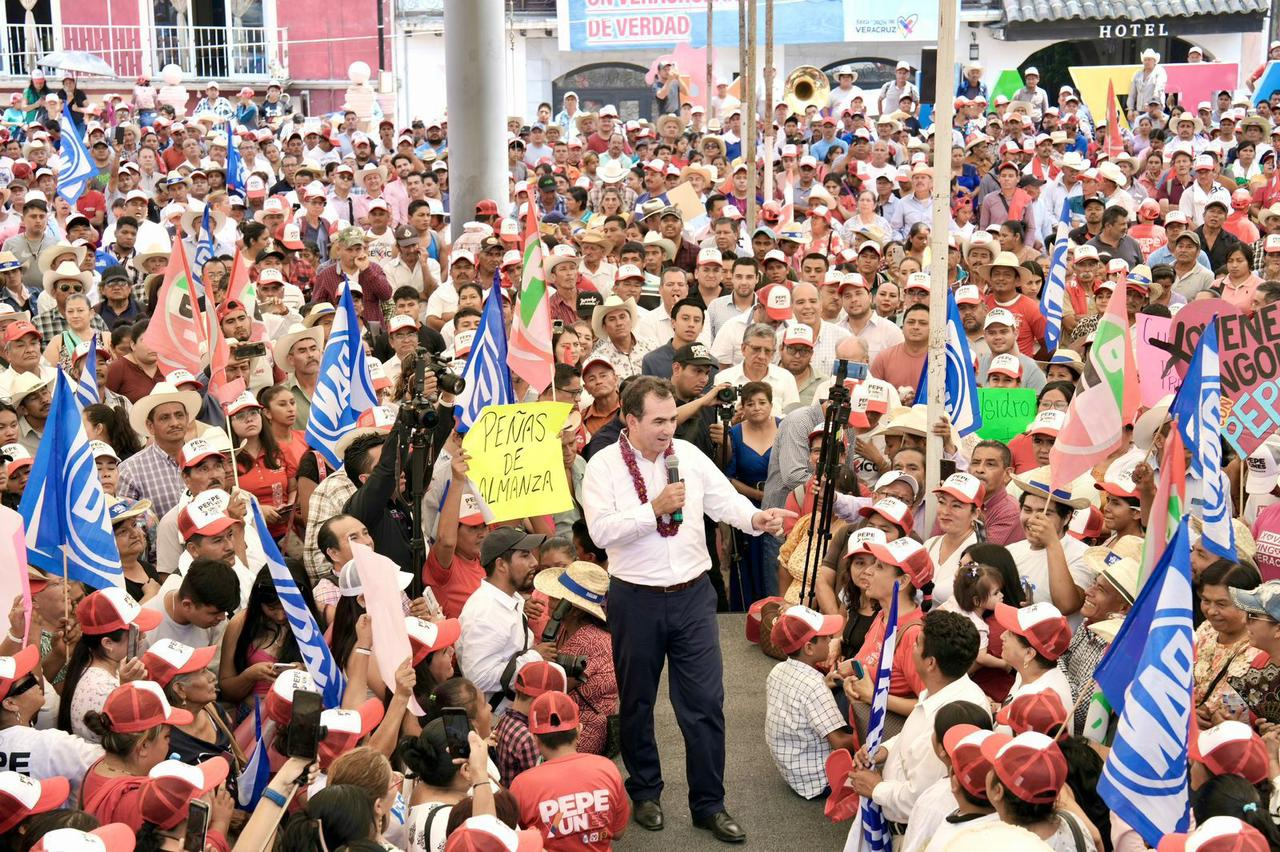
<point>516,464</point>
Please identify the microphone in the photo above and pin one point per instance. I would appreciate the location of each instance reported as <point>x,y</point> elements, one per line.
<point>673,476</point>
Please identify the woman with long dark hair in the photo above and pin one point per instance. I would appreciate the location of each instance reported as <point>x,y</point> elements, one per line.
<point>111,426</point>
<point>280,411</point>
<point>97,665</point>
<point>261,642</point>
<point>261,464</point>
<point>335,817</point>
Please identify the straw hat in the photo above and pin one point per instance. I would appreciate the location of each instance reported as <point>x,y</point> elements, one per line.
<point>583,584</point>
<point>163,392</point>
<point>612,172</point>
<point>44,261</point>
<point>194,216</point>
<point>611,304</point>
<point>148,252</point>
<point>1036,482</point>
<point>1005,260</point>
<point>285,342</point>
<point>67,271</point>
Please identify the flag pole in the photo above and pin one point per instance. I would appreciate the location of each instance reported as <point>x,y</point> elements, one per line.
<point>943,118</point>
<point>66,588</point>
<point>235,467</point>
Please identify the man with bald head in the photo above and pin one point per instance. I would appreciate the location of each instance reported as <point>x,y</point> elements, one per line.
<point>806,309</point>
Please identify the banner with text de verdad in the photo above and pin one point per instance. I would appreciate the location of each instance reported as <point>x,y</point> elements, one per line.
<point>586,25</point>
<point>1249,355</point>
<point>516,463</point>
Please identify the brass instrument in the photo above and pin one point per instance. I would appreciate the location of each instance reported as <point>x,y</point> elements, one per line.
<point>805,86</point>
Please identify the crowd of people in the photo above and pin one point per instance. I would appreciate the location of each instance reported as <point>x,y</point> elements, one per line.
<point>699,359</point>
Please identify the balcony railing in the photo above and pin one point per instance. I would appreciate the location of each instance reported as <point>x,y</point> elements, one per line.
<point>235,53</point>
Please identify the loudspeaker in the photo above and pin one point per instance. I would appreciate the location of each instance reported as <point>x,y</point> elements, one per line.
<point>928,74</point>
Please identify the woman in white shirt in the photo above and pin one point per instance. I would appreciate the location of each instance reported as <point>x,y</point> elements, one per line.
<point>959,501</point>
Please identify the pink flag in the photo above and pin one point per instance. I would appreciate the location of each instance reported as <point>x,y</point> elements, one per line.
<point>1171,496</point>
<point>14,583</point>
<point>177,332</point>
<point>1095,421</point>
<point>379,578</point>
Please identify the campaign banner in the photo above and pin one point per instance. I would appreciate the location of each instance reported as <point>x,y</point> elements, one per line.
<point>1249,358</point>
<point>591,25</point>
<point>1155,380</point>
<point>1006,412</point>
<point>516,462</point>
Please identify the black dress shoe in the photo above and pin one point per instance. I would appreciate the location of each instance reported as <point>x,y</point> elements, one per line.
<point>724,827</point>
<point>647,814</point>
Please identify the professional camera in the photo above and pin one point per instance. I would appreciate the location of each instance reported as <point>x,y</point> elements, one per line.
<point>446,379</point>
<point>728,396</point>
<point>574,665</point>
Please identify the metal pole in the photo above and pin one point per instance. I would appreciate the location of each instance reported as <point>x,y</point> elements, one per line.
<point>943,118</point>
<point>382,40</point>
<point>749,113</point>
<point>770,130</point>
<point>473,87</point>
<point>710,61</point>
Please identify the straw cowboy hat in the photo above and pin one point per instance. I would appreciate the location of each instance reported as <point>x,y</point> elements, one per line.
<point>285,342</point>
<point>163,392</point>
<point>47,257</point>
<point>612,172</point>
<point>715,140</point>
<point>1037,482</point>
<point>611,304</point>
<point>1112,172</point>
<point>562,253</point>
<point>583,584</point>
<point>1005,260</point>
<point>1150,421</point>
<point>194,216</point>
<point>1258,121</point>
<point>24,385</point>
<point>708,172</point>
<point>67,271</point>
<point>1195,120</point>
<point>654,238</point>
<point>148,252</point>
<point>666,120</point>
<point>582,118</point>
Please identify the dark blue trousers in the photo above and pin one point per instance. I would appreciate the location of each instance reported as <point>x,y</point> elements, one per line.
<point>648,628</point>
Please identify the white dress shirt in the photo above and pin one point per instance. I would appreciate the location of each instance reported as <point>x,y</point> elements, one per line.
<point>785,393</point>
<point>912,765</point>
<point>656,325</point>
<point>877,335</point>
<point>493,628</point>
<point>727,345</point>
<point>628,529</point>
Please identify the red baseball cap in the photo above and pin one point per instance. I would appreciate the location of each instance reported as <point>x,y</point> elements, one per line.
<point>1041,624</point>
<point>1039,710</point>
<point>553,712</point>
<point>172,786</point>
<point>113,837</point>
<point>775,299</point>
<point>138,705</point>
<point>345,728</point>
<point>111,609</point>
<point>1217,834</point>
<point>539,677</point>
<point>90,202</point>
<point>21,796</point>
<point>20,328</point>
<point>892,510</point>
<point>754,615</point>
<point>428,636</point>
<point>1030,765</point>
<point>799,624</point>
<point>197,450</point>
<point>963,744</point>
<point>168,658</point>
<point>909,555</point>
<point>279,703</point>
<point>1231,748</point>
<point>15,668</point>
<point>489,834</point>
<point>486,207</point>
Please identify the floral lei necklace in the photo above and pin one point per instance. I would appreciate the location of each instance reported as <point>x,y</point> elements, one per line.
<point>666,527</point>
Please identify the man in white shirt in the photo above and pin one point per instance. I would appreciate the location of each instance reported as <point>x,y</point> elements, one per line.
<point>865,324</point>
<point>758,346</point>
<point>1050,560</point>
<point>826,335</point>
<point>495,631</point>
<point>945,652</point>
<point>740,299</point>
<point>1205,188</point>
<point>661,601</point>
<point>593,266</point>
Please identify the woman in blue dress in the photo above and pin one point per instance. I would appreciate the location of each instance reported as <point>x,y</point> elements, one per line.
<point>751,441</point>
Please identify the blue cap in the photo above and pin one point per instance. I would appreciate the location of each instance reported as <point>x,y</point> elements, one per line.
<point>1264,600</point>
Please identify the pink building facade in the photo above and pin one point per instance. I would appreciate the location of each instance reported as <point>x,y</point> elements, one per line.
<point>306,44</point>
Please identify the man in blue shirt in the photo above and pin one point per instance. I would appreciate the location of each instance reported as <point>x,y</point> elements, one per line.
<point>246,109</point>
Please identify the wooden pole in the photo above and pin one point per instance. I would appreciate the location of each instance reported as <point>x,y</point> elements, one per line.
<point>710,57</point>
<point>943,118</point>
<point>770,130</point>
<point>749,113</point>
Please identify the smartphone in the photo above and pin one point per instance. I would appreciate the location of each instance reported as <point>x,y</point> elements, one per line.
<point>134,636</point>
<point>302,737</point>
<point>245,351</point>
<point>557,326</point>
<point>1232,703</point>
<point>858,671</point>
<point>456,729</point>
<point>197,826</point>
<point>432,603</point>
<point>281,667</point>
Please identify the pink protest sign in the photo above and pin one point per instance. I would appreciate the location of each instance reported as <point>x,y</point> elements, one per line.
<point>1155,382</point>
<point>13,556</point>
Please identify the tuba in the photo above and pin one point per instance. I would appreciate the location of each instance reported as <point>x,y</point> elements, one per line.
<point>805,86</point>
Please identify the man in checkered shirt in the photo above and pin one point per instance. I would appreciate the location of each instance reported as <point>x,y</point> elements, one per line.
<point>802,723</point>
<point>517,749</point>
